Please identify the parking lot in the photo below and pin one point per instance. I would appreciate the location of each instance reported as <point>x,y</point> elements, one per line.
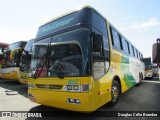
<point>146,97</point>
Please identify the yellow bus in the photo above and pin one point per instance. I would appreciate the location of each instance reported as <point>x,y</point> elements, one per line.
<point>81,62</point>
<point>148,67</point>
<point>10,68</point>
<point>25,62</point>
<point>3,47</point>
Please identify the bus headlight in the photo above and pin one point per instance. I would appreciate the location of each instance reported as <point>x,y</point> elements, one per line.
<point>31,86</point>
<point>69,87</point>
<point>85,87</point>
<point>77,88</point>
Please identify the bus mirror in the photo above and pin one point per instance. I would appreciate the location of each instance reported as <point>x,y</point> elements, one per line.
<point>97,43</point>
<point>156,53</point>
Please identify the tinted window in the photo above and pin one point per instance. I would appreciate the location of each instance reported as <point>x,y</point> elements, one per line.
<point>23,44</point>
<point>131,50</point>
<point>116,41</point>
<point>135,52</point>
<point>99,23</point>
<point>139,55</point>
<point>120,40</point>
<point>14,45</point>
<point>29,45</point>
<point>128,47</point>
<point>124,44</point>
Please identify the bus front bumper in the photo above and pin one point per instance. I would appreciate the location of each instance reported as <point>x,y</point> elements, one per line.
<point>73,101</point>
<point>23,77</point>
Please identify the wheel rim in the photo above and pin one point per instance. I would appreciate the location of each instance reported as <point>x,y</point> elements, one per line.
<point>115,92</point>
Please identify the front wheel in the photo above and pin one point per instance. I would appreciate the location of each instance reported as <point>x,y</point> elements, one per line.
<point>115,93</point>
<point>140,79</point>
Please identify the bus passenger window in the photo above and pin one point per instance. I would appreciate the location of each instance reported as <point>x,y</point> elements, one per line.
<point>115,38</point>
<point>125,46</point>
<point>131,49</point>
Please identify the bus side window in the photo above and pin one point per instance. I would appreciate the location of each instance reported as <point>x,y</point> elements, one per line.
<point>128,47</point>
<point>120,40</point>
<point>111,35</point>
<point>100,46</point>
<point>131,50</point>
<point>124,44</point>
<point>97,45</point>
<point>116,40</point>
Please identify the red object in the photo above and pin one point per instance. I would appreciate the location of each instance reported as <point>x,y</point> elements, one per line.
<point>42,72</point>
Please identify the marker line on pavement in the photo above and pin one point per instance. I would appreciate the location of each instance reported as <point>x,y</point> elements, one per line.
<point>151,81</point>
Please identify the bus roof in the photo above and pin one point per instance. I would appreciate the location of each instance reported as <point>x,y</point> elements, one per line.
<point>72,11</point>
<point>4,44</point>
<point>17,42</point>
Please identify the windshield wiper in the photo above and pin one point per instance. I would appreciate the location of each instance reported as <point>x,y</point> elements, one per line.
<point>58,69</point>
<point>41,64</point>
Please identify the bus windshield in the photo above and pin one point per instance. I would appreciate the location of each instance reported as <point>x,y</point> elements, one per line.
<point>155,67</point>
<point>28,45</point>
<point>68,54</point>
<point>14,45</point>
<point>66,59</point>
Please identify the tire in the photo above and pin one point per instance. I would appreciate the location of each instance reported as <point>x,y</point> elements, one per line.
<point>140,79</point>
<point>115,93</point>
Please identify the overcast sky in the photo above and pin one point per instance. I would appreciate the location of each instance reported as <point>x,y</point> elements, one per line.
<point>137,20</point>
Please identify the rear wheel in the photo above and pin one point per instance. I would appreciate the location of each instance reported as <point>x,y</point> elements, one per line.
<point>140,79</point>
<point>115,93</point>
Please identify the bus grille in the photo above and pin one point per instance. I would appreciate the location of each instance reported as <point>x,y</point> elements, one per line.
<point>55,86</point>
<point>44,86</point>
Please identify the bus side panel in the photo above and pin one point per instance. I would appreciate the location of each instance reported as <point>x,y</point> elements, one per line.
<point>102,89</point>
<point>126,68</point>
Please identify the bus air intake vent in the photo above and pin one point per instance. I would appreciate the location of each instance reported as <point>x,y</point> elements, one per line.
<point>55,87</point>
<point>42,86</point>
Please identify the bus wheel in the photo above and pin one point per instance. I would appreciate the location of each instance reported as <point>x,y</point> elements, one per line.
<point>115,93</point>
<point>140,79</point>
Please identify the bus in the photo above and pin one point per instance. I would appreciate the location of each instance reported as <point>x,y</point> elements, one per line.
<point>148,67</point>
<point>81,62</point>
<point>156,54</point>
<point>25,63</point>
<point>3,47</point>
<point>155,70</point>
<point>11,61</point>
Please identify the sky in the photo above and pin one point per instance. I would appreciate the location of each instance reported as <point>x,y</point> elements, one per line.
<point>137,20</point>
